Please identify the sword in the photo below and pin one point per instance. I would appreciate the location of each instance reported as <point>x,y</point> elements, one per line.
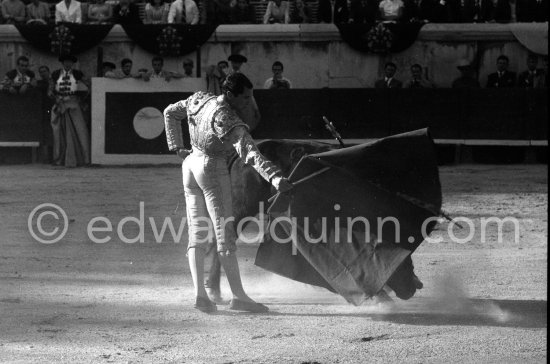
<point>330,127</point>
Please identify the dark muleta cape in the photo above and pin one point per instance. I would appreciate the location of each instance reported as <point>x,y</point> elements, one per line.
<point>394,178</point>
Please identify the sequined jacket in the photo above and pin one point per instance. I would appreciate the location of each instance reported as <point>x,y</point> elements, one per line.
<point>214,129</point>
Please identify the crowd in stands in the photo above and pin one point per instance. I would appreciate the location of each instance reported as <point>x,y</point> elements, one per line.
<point>272,11</point>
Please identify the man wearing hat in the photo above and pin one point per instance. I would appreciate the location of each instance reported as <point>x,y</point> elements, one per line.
<point>236,61</point>
<point>466,79</point>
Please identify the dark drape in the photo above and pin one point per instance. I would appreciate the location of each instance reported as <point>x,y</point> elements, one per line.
<point>381,37</point>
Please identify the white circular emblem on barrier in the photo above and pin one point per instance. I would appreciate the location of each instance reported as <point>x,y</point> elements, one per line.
<point>149,122</point>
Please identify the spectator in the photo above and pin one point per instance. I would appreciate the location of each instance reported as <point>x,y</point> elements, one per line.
<point>502,78</point>
<point>19,80</point>
<point>363,11</point>
<point>277,81</point>
<point>177,14</point>
<point>389,81</point>
<point>417,81</point>
<point>159,72</point>
<point>13,11</point>
<point>126,12</point>
<point>542,80</point>
<point>236,61</point>
<point>333,11</point>
<point>107,67</point>
<point>215,76</point>
<point>125,71</point>
<point>528,11</point>
<point>504,11</point>
<point>527,79</point>
<point>243,13</point>
<point>156,12</point>
<point>391,10</point>
<point>277,11</point>
<point>188,68</point>
<point>44,82</point>
<point>100,13</point>
<point>69,11</point>
<point>300,13</point>
<point>219,11</point>
<point>466,79</point>
<point>38,12</point>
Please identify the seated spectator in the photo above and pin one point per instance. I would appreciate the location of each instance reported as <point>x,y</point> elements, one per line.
<point>277,81</point>
<point>13,11</point>
<point>417,80</point>
<point>100,12</point>
<point>300,13</point>
<point>333,11</point>
<point>69,11</point>
<point>389,81</point>
<point>126,12</point>
<point>528,11</point>
<point>391,10</point>
<point>502,78</point>
<point>107,67</point>
<point>188,68</point>
<point>277,11</point>
<point>44,82</point>
<point>183,11</point>
<point>527,79</point>
<point>156,12</point>
<point>466,79</point>
<point>19,80</point>
<point>363,11</point>
<point>243,13</point>
<point>219,11</point>
<point>38,12</point>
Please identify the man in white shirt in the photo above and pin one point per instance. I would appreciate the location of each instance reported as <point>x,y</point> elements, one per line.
<point>68,11</point>
<point>277,81</point>
<point>183,11</point>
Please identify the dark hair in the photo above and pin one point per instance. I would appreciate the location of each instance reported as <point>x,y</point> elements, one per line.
<point>44,66</point>
<point>125,61</point>
<point>235,83</point>
<point>224,62</point>
<point>22,58</point>
<point>532,57</point>
<point>416,65</point>
<point>503,57</point>
<point>157,58</point>
<point>390,64</point>
<point>277,63</point>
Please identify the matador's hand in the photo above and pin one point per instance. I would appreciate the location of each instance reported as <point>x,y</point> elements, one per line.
<point>183,153</point>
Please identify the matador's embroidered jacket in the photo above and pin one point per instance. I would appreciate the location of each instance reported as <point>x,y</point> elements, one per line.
<point>215,129</point>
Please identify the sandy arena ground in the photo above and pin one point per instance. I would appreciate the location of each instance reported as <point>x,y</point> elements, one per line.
<point>77,301</point>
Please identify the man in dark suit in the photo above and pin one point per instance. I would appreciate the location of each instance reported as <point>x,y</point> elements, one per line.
<point>527,78</point>
<point>333,11</point>
<point>502,78</point>
<point>363,11</point>
<point>389,81</point>
<point>528,11</point>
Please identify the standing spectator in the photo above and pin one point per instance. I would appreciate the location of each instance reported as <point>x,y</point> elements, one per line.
<point>417,80</point>
<point>44,81</point>
<point>277,11</point>
<point>236,61</point>
<point>159,72</point>
<point>71,138</point>
<point>156,12</point>
<point>107,67</point>
<point>542,80</point>
<point>391,10</point>
<point>215,76</point>
<point>38,12</point>
<point>219,11</point>
<point>503,12</point>
<point>333,11</point>
<point>100,12</point>
<point>69,11</point>
<point>417,10</point>
<point>188,68</point>
<point>277,81</point>
<point>126,12</point>
<point>125,71</point>
<point>251,115</point>
<point>527,79</point>
<point>300,13</point>
<point>243,13</point>
<point>466,79</point>
<point>184,11</point>
<point>389,81</point>
<point>363,11</point>
<point>502,78</point>
<point>13,11</point>
<point>528,11</point>
<point>19,80</point>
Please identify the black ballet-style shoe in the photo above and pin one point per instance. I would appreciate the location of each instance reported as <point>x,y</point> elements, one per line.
<point>205,305</point>
<point>254,307</point>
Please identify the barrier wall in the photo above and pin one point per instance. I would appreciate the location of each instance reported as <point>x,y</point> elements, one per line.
<point>22,119</point>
